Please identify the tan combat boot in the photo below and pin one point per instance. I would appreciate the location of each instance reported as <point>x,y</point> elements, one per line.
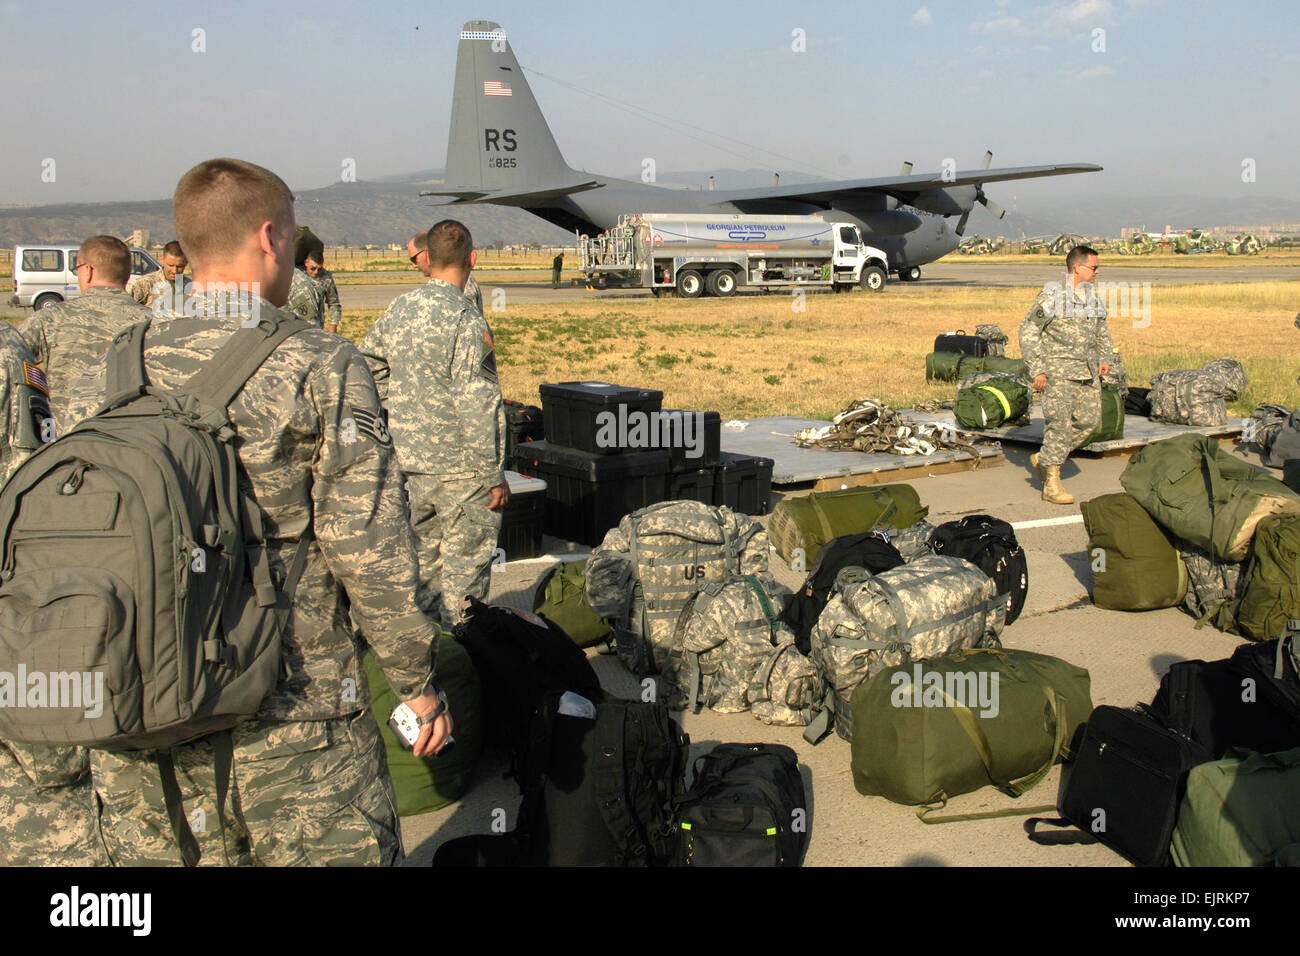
<point>1053,491</point>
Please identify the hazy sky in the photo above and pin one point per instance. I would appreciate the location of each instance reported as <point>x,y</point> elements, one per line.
<point>1181,95</point>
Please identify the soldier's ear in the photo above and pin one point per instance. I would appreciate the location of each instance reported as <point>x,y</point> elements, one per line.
<point>473,258</point>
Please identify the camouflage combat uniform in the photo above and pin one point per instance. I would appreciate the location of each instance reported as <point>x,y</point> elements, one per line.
<point>310,779</point>
<point>47,807</point>
<point>474,294</point>
<point>68,337</point>
<point>148,288</point>
<point>329,293</point>
<point>1065,337</point>
<point>433,360</point>
<point>305,299</point>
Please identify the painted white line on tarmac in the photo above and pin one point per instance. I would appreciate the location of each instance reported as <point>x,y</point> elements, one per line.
<point>1047,522</point>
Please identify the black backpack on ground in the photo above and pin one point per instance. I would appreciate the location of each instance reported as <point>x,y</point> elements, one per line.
<point>869,550</point>
<point>1124,786</point>
<point>990,544</point>
<point>599,791</point>
<point>746,807</point>
<point>1250,700</point>
<point>1138,402</point>
<point>524,669</point>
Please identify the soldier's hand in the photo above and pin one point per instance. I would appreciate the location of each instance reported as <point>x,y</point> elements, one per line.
<point>1040,382</point>
<point>1104,369</point>
<point>433,736</point>
<point>500,495</point>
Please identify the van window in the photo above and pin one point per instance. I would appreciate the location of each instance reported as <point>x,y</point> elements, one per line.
<point>42,260</point>
<point>139,264</point>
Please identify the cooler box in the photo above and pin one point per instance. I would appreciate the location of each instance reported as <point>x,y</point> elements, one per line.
<point>743,483</point>
<point>523,517</point>
<point>523,424</point>
<point>694,485</point>
<point>587,494</point>
<point>570,410</point>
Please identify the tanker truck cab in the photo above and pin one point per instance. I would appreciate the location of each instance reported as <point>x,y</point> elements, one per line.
<point>695,254</point>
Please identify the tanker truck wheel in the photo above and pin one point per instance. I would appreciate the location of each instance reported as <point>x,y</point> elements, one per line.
<point>721,283</point>
<point>872,278</point>
<point>689,284</point>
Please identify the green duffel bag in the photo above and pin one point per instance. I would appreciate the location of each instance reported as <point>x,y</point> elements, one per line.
<point>1112,415</point>
<point>920,738</point>
<point>1201,495</point>
<point>1011,367</point>
<point>971,365</point>
<point>992,404</point>
<point>1272,595</point>
<point>561,595</point>
<point>1139,568</point>
<point>1243,810</point>
<point>942,366</point>
<point>431,783</point>
<point>802,526</point>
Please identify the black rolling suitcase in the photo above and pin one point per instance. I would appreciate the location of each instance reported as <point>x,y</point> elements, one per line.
<point>959,341</point>
<point>1124,787</point>
<point>1250,700</point>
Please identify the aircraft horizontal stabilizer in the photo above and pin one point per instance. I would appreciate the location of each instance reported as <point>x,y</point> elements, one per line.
<point>503,197</point>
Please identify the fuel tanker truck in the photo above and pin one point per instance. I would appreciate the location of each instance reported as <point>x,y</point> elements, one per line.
<point>696,254</point>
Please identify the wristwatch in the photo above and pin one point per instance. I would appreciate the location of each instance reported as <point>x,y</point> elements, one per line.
<point>438,711</point>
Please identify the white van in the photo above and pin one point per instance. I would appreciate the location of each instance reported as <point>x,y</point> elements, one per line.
<point>44,274</point>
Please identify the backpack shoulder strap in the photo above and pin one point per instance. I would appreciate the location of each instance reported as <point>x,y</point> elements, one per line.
<point>226,374</point>
<point>125,373</point>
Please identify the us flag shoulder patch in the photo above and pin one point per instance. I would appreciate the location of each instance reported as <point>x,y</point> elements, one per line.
<point>368,423</point>
<point>35,377</point>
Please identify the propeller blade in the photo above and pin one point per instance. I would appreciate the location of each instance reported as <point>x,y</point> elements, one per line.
<point>906,170</point>
<point>992,207</point>
<point>988,158</point>
<point>961,223</point>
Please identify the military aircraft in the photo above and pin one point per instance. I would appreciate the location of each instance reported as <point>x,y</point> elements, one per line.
<point>500,150</point>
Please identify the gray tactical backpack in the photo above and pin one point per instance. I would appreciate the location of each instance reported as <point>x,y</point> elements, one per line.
<point>657,559</point>
<point>930,607</point>
<point>133,556</point>
<point>724,634</point>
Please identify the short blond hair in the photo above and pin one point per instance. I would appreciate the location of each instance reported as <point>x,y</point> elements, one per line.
<point>220,201</point>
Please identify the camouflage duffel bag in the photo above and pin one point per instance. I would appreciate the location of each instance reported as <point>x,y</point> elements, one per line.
<point>787,688</point>
<point>724,633</point>
<point>933,606</point>
<point>658,558</point>
<point>995,337</point>
<point>1197,396</point>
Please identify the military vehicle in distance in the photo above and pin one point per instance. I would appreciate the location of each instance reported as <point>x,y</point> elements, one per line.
<point>698,253</point>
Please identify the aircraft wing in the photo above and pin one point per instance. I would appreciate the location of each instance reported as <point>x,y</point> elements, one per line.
<point>902,188</point>
<point>505,197</point>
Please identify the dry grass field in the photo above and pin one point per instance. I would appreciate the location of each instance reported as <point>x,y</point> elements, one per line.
<point>1163,257</point>
<point>754,355</point>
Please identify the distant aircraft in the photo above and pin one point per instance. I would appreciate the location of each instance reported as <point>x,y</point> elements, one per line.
<point>500,150</point>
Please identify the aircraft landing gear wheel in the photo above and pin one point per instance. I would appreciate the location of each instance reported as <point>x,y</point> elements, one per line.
<point>689,284</point>
<point>721,283</point>
<point>910,274</point>
<point>872,278</point>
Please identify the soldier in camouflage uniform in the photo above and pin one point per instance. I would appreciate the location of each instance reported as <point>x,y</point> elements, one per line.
<point>69,336</point>
<point>306,299</point>
<point>314,266</point>
<point>417,247</point>
<point>310,782</point>
<point>432,356</point>
<point>148,288</point>
<point>47,806</point>
<point>1067,345</point>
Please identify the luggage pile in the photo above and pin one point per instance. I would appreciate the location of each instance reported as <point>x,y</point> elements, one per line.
<point>1207,774</point>
<point>1276,430</point>
<point>608,450</point>
<point>1200,528</point>
<point>957,355</point>
<point>1197,396</point>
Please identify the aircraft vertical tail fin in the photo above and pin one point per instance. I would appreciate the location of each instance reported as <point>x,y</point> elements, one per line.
<point>499,139</point>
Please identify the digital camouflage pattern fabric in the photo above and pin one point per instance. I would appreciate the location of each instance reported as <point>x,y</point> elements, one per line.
<point>329,294</point>
<point>1197,396</point>
<point>24,402</point>
<point>646,570</point>
<point>1214,588</point>
<point>433,359</point>
<point>1064,336</point>
<point>148,288</point>
<point>927,608</point>
<point>995,337</point>
<point>306,299</point>
<point>473,293</point>
<point>314,453</point>
<point>912,541</point>
<point>725,631</point>
<point>68,337</point>
<point>787,687</point>
<point>47,807</point>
